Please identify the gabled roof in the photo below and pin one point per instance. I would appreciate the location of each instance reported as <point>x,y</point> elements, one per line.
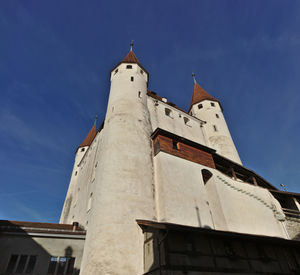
<point>199,94</point>
<point>89,138</point>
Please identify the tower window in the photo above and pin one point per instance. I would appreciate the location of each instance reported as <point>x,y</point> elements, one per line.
<point>212,104</point>
<point>116,71</point>
<point>175,145</point>
<point>215,128</point>
<point>141,71</point>
<point>82,149</point>
<point>129,67</point>
<point>200,106</point>
<point>168,112</point>
<point>217,116</point>
<point>140,94</point>
<point>132,78</point>
<point>186,121</point>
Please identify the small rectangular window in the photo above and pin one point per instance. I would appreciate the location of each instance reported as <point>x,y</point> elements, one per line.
<point>70,267</point>
<point>21,264</point>
<point>52,265</point>
<point>140,94</point>
<point>12,263</point>
<point>31,264</point>
<point>212,104</point>
<point>131,78</point>
<point>217,116</point>
<point>200,106</point>
<point>215,128</point>
<point>175,145</point>
<point>129,67</point>
<point>168,112</point>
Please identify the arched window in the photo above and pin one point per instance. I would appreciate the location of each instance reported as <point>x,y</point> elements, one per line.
<point>206,175</point>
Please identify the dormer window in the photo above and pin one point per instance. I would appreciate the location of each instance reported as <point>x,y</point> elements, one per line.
<point>129,67</point>
<point>200,106</point>
<point>212,104</point>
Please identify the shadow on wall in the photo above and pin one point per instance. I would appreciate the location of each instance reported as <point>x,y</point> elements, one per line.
<point>297,237</point>
<point>22,253</point>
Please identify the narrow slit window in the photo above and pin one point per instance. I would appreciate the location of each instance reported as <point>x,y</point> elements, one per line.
<point>131,78</point>
<point>200,106</point>
<point>116,71</point>
<point>140,94</point>
<point>217,116</point>
<point>175,145</point>
<point>212,104</point>
<point>215,128</point>
<point>129,67</point>
<point>141,71</point>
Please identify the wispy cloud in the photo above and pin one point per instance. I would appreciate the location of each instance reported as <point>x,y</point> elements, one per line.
<point>16,128</point>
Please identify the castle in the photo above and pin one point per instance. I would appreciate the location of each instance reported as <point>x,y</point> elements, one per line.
<point>159,190</point>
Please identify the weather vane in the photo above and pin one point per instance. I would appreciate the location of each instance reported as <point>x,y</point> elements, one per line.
<point>193,75</point>
<point>131,45</point>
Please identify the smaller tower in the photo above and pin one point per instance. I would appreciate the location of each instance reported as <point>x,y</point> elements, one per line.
<point>209,109</point>
<point>66,215</point>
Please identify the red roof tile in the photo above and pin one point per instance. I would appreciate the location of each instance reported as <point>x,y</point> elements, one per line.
<point>89,138</point>
<point>199,94</point>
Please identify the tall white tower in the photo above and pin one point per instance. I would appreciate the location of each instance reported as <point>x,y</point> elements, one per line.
<point>124,188</point>
<point>209,109</point>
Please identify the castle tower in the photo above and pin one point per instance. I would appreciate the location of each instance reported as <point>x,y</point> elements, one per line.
<point>72,190</point>
<point>209,109</point>
<point>123,187</point>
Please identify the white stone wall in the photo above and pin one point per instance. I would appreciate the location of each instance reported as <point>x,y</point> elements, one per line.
<point>216,130</point>
<point>176,122</point>
<point>79,199</point>
<point>124,187</point>
<point>222,203</point>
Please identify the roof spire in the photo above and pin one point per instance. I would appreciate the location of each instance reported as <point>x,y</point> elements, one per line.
<point>193,75</point>
<point>131,45</point>
<point>95,120</point>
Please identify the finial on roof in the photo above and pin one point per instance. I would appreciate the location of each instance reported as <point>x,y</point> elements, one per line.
<point>193,75</point>
<point>131,45</point>
<point>95,121</point>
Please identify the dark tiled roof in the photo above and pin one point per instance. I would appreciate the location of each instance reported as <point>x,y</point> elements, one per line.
<point>199,94</point>
<point>130,58</point>
<point>40,227</point>
<point>89,138</point>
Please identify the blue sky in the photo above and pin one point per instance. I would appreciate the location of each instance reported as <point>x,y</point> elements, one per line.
<point>55,59</point>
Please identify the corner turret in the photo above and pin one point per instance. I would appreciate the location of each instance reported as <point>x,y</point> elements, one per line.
<point>207,108</point>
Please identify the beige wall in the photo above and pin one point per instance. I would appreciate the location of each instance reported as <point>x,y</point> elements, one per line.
<point>43,247</point>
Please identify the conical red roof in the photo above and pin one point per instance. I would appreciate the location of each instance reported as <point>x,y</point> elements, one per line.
<point>90,137</point>
<point>199,94</point>
<point>130,58</point>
